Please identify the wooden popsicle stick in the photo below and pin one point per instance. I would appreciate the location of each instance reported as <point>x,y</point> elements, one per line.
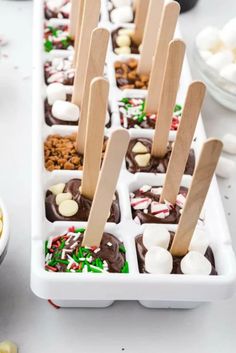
<point>78,30</point>
<point>97,108</point>
<point>73,18</point>
<point>182,144</point>
<point>95,67</point>
<point>90,19</point>
<point>166,33</point>
<point>106,186</point>
<point>152,26</point>
<point>169,91</point>
<point>140,19</point>
<point>135,4</point>
<point>196,196</point>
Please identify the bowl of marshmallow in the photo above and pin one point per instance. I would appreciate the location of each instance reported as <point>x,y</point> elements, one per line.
<point>215,55</point>
<point>4,231</point>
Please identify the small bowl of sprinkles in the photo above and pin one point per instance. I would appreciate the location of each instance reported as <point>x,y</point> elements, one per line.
<point>66,253</point>
<point>4,231</point>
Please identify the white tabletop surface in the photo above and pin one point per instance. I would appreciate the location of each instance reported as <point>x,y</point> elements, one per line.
<point>125,327</point>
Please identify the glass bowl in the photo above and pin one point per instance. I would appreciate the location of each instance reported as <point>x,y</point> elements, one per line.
<point>222,90</point>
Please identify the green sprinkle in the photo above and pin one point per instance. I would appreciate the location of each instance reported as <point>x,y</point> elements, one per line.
<point>48,46</point>
<point>46,247</point>
<point>95,270</point>
<point>75,258</point>
<point>65,262</point>
<point>141,117</point>
<point>122,249</point>
<point>125,100</point>
<point>62,245</point>
<point>52,263</point>
<point>53,30</point>
<point>99,263</point>
<point>125,268</point>
<point>177,108</point>
<point>80,230</point>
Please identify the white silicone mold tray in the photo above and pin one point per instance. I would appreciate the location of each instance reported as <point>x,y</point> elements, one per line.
<point>92,290</point>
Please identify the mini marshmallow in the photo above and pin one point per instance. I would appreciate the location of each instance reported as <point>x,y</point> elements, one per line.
<point>123,40</point>
<point>156,235</point>
<point>229,73</point>
<point>62,197</point>
<point>65,111</point>
<point>123,50</point>
<point>68,208</point>
<point>208,38</point>
<point>56,91</point>
<point>8,347</point>
<point>225,167</point>
<point>57,188</point>
<point>158,261</point>
<point>122,14</point>
<point>199,241</point>
<point>229,141</point>
<point>220,60</point>
<point>119,3</point>
<point>228,35</point>
<point>194,263</point>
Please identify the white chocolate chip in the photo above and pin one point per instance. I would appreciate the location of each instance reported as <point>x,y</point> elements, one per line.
<point>139,148</point>
<point>8,347</point>
<point>123,50</point>
<point>68,208</point>
<point>63,197</point>
<point>57,188</point>
<point>126,31</point>
<point>123,40</point>
<point>142,159</point>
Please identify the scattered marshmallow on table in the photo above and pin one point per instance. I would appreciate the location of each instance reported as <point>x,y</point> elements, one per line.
<point>156,235</point>
<point>8,347</point>
<point>122,14</point>
<point>225,167</point>
<point>229,143</point>
<point>65,111</point>
<point>195,263</point>
<point>158,261</point>
<point>56,91</point>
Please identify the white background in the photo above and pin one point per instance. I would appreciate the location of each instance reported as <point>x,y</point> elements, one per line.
<point>34,325</point>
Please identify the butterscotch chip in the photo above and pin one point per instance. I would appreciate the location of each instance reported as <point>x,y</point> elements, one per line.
<point>144,78</point>
<point>132,76</point>
<point>139,84</point>
<point>117,64</point>
<point>75,160</point>
<point>69,166</point>
<point>132,63</point>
